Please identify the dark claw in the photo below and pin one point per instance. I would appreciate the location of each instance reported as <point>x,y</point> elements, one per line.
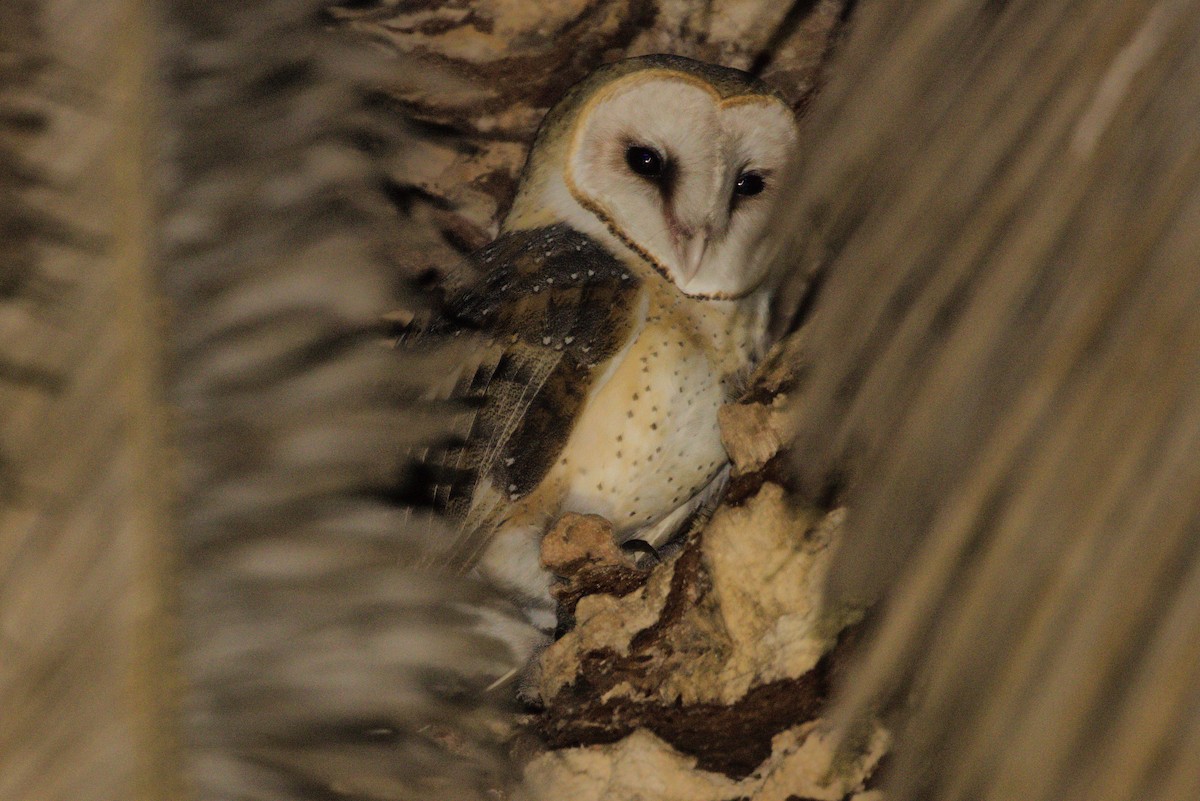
<point>641,546</point>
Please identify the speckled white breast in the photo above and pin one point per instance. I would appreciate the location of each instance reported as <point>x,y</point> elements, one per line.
<point>648,438</point>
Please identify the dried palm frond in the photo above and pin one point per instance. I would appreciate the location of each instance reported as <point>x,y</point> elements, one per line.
<point>1006,384</point>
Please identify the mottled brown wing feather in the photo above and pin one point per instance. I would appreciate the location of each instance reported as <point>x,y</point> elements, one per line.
<point>552,308</point>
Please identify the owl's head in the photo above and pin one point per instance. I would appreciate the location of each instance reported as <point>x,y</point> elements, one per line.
<point>681,161</point>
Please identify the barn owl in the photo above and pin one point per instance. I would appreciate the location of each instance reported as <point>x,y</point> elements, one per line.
<point>626,292</point>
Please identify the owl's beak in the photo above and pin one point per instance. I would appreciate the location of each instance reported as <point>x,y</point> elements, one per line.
<point>692,253</point>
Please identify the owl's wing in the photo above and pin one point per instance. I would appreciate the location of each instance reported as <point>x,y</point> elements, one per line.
<point>552,309</point>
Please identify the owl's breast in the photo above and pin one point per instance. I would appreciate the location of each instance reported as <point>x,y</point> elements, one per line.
<point>647,439</point>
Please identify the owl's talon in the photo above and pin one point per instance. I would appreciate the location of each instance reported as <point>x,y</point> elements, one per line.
<point>641,547</point>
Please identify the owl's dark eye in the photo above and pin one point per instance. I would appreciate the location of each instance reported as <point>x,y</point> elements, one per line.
<point>748,184</point>
<point>644,161</point>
